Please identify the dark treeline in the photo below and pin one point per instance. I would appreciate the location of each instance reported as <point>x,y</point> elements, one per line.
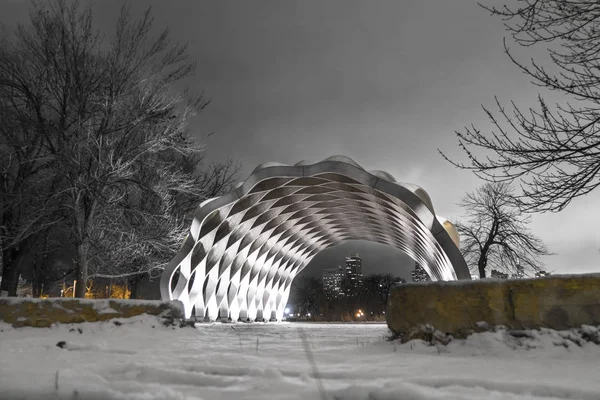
<point>364,303</point>
<point>98,172</point>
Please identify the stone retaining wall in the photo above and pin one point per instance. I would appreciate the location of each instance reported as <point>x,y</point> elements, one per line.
<point>45,312</point>
<point>557,302</point>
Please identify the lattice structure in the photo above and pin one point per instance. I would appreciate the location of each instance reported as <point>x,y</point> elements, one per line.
<point>245,248</point>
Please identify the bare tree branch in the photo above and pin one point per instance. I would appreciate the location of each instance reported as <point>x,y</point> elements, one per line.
<point>553,151</point>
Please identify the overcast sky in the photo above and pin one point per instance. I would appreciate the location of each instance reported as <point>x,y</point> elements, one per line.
<point>383,82</point>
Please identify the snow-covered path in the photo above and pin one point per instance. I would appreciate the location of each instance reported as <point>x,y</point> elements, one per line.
<point>283,361</point>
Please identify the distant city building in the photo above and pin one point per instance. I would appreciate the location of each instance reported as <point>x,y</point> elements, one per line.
<point>419,274</point>
<point>498,275</point>
<point>332,282</point>
<point>353,274</point>
<point>541,274</point>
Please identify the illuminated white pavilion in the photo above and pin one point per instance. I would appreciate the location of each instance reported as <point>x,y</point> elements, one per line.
<point>245,248</point>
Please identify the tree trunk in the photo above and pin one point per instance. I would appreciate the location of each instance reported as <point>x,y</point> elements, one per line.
<point>481,266</point>
<point>11,271</point>
<point>35,280</point>
<point>84,215</point>
<point>44,265</point>
<point>133,286</point>
<point>82,270</point>
<point>35,272</point>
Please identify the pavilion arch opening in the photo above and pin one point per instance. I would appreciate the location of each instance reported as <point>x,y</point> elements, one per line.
<point>341,279</point>
<point>245,248</point>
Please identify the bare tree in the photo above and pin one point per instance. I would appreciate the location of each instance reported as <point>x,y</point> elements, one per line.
<point>553,150</point>
<point>141,231</point>
<point>494,233</point>
<point>107,120</point>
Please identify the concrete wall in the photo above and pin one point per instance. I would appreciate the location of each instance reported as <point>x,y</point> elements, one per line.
<point>557,302</point>
<point>45,312</point>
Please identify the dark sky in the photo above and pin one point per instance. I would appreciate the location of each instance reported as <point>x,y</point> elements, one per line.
<point>384,82</point>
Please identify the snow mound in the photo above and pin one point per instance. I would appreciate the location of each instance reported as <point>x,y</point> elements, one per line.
<point>499,338</point>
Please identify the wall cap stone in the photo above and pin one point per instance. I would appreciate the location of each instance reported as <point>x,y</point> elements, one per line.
<point>46,312</point>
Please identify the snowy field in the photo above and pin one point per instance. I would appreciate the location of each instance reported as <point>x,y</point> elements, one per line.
<point>141,359</point>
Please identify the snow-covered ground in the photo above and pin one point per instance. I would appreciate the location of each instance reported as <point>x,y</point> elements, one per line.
<point>141,359</point>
